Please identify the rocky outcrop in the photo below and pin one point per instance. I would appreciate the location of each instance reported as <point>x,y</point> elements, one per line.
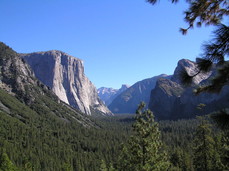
<point>171,100</point>
<point>107,95</point>
<point>128,101</point>
<point>64,75</point>
<point>191,68</point>
<point>16,76</point>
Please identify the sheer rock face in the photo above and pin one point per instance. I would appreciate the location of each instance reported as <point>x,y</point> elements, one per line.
<point>15,74</point>
<point>192,69</point>
<point>64,74</point>
<point>171,100</point>
<point>164,96</point>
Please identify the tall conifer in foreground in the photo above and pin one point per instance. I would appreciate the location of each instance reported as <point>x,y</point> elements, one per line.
<point>206,156</point>
<point>6,164</point>
<point>144,150</point>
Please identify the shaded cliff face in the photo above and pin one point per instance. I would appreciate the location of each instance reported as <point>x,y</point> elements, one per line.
<point>164,96</point>
<point>171,100</point>
<point>64,74</point>
<point>107,95</point>
<point>191,69</point>
<point>15,75</point>
<point>128,101</point>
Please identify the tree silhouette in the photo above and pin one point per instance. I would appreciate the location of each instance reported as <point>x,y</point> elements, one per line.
<point>215,52</point>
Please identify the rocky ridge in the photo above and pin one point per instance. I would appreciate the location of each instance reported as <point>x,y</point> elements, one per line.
<point>171,100</point>
<point>107,95</point>
<point>128,101</point>
<point>64,75</point>
<point>25,98</point>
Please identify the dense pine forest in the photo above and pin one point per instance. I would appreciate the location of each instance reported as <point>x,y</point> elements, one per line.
<point>39,132</point>
<point>34,142</point>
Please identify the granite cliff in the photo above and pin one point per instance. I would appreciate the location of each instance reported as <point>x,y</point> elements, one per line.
<point>64,75</point>
<point>171,100</point>
<point>24,98</point>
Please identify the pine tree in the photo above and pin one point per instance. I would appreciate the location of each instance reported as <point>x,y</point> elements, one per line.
<point>67,167</point>
<point>201,12</point>
<point>222,144</point>
<point>111,168</point>
<point>177,159</point>
<point>144,150</point>
<point>6,164</point>
<point>103,166</point>
<point>205,153</point>
<point>225,150</point>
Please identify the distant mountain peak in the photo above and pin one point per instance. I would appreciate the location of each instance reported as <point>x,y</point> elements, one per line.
<point>107,95</point>
<point>124,87</point>
<point>129,99</point>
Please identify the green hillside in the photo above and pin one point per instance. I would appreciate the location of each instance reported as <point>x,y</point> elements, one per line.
<point>40,131</point>
<point>45,142</point>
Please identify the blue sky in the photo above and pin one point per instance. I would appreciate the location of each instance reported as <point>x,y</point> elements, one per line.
<point>120,42</point>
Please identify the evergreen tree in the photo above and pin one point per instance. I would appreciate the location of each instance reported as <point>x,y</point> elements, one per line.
<point>67,167</point>
<point>103,166</point>
<point>225,150</point>
<point>187,164</point>
<point>205,155</point>
<point>144,150</point>
<point>111,168</point>
<point>177,159</point>
<point>6,164</point>
<point>222,145</point>
<point>199,12</point>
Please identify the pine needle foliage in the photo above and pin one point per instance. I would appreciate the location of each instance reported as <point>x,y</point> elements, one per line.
<point>199,12</point>
<point>216,51</point>
<point>6,164</point>
<point>206,154</point>
<point>203,147</point>
<point>144,150</point>
<point>208,12</point>
<point>214,54</point>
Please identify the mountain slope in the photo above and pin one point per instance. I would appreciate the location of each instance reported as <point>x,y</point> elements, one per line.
<point>17,79</point>
<point>171,100</point>
<point>35,138</point>
<point>65,76</point>
<point>128,101</point>
<point>107,95</point>
<point>39,131</point>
